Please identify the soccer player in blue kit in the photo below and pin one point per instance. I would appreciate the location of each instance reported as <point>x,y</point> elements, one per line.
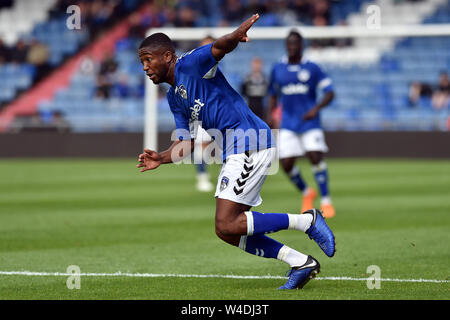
<point>296,80</point>
<point>200,92</point>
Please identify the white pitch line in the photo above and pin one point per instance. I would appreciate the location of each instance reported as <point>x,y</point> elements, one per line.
<point>222,276</point>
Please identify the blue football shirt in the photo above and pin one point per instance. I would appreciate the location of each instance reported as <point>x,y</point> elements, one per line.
<point>297,86</point>
<point>202,95</point>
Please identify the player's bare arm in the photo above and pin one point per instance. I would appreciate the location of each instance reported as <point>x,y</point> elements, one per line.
<point>150,160</point>
<point>272,104</point>
<point>326,100</point>
<point>229,42</point>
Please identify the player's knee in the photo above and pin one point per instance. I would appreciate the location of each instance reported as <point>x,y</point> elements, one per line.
<point>287,164</point>
<point>315,157</point>
<point>231,227</point>
<point>223,228</point>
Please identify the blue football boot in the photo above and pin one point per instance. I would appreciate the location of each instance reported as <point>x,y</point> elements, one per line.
<point>299,276</point>
<point>321,233</point>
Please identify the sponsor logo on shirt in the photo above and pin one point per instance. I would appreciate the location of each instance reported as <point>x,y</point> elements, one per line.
<point>196,109</point>
<point>295,88</point>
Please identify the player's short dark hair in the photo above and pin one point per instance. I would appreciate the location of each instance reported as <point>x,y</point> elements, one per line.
<point>156,40</point>
<point>295,33</point>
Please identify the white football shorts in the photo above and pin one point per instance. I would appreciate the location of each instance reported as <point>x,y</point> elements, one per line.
<point>242,176</point>
<point>292,144</point>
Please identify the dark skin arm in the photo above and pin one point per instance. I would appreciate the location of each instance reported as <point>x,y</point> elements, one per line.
<point>311,114</point>
<point>229,42</point>
<point>327,98</point>
<point>272,104</point>
<point>150,160</point>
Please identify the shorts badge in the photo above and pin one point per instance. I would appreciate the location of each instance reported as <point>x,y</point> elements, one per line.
<point>224,183</point>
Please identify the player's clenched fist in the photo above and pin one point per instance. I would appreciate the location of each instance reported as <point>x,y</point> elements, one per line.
<point>149,160</point>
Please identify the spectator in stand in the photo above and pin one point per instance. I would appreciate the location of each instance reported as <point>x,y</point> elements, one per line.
<point>6,3</point>
<point>254,88</point>
<point>320,21</point>
<point>286,16</point>
<point>60,123</point>
<point>321,8</point>
<point>303,9</point>
<point>233,12</point>
<point>98,14</point>
<point>419,90</point>
<point>441,96</point>
<point>19,53</point>
<point>106,77</point>
<point>186,16</point>
<point>4,53</point>
<point>38,56</point>
<point>137,27</point>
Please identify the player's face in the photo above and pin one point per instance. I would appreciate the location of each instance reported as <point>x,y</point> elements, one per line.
<point>294,46</point>
<point>155,63</point>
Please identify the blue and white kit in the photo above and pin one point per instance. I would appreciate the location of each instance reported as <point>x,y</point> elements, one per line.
<point>201,94</point>
<point>297,86</point>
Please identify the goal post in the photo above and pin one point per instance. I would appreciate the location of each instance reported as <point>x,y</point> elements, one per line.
<point>278,33</point>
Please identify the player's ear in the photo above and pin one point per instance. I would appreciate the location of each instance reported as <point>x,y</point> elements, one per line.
<point>168,55</point>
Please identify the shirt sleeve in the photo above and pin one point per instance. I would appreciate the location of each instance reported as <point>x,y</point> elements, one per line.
<point>324,82</point>
<point>183,129</point>
<point>199,62</point>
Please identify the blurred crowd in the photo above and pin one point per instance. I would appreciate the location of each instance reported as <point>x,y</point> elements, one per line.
<point>438,94</point>
<point>199,13</point>
<point>96,15</point>
<point>31,52</point>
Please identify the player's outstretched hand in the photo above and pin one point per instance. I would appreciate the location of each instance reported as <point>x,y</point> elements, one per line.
<point>245,26</point>
<point>149,160</point>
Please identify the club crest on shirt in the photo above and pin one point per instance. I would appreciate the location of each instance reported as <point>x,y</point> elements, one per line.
<point>303,75</point>
<point>181,90</point>
<point>224,183</point>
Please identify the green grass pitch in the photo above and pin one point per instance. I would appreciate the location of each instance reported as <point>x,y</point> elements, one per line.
<point>104,216</point>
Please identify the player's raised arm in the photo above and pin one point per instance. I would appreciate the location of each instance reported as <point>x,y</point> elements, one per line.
<point>228,42</point>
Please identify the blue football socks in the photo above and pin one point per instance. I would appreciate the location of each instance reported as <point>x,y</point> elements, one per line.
<point>297,179</point>
<point>263,246</point>
<point>260,245</point>
<point>260,223</point>
<point>321,175</point>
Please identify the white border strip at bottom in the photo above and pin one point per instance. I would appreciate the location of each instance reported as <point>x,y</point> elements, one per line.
<point>223,276</point>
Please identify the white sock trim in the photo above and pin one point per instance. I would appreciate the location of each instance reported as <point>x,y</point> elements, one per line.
<point>294,171</point>
<point>250,227</point>
<point>291,256</point>
<point>283,253</point>
<point>293,221</point>
<point>325,200</point>
<point>300,222</point>
<point>243,243</point>
<point>322,165</point>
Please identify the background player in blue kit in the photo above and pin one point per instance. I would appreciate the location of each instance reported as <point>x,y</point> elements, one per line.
<point>200,92</point>
<point>296,81</point>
